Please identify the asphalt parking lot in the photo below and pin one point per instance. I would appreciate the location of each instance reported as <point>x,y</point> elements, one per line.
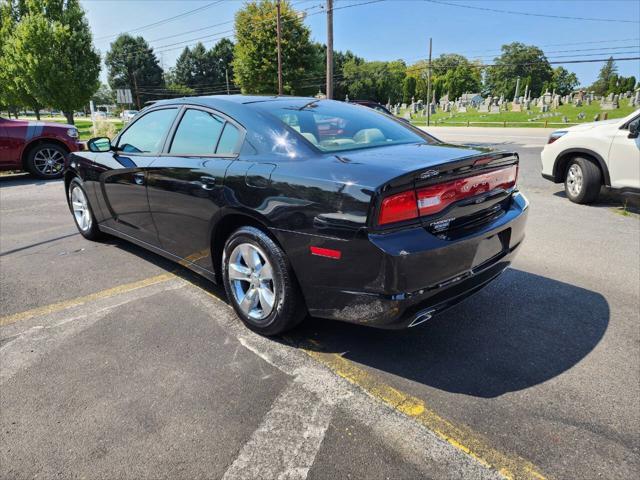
<point>115,363</point>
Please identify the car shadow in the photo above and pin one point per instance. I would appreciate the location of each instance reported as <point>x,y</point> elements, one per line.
<point>610,199</point>
<point>520,331</point>
<point>13,180</point>
<point>168,265</point>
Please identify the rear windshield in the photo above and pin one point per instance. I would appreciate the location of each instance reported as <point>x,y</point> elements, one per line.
<point>335,126</point>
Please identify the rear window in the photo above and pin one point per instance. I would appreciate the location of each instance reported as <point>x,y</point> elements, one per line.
<point>334,126</point>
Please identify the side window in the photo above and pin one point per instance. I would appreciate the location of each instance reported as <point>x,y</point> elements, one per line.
<point>147,133</point>
<point>197,133</point>
<point>228,140</point>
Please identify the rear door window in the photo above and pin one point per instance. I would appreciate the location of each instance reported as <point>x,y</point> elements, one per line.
<point>204,133</point>
<point>197,134</point>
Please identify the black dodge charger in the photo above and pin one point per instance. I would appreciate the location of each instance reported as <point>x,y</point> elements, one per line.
<point>302,206</point>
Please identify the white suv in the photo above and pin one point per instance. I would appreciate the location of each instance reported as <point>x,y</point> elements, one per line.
<point>588,156</point>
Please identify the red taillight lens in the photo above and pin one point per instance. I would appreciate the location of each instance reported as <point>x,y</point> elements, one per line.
<point>398,207</point>
<point>436,198</point>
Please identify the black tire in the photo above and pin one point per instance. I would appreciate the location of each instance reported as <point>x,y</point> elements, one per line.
<point>591,180</point>
<point>39,154</point>
<point>90,232</point>
<point>288,308</point>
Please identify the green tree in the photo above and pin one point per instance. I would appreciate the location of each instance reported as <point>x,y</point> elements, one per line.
<point>13,93</point>
<point>563,81</point>
<point>51,54</point>
<point>379,81</point>
<point>132,64</point>
<point>454,75</point>
<point>196,68</point>
<point>518,60</point>
<point>408,89</point>
<point>631,84</point>
<point>255,53</point>
<point>222,57</point>
<point>104,96</point>
<point>339,61</point>
<point>607,72</point>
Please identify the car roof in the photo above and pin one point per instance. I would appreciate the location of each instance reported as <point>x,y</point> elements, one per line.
<point>242,108</point>
<point>216,100</point>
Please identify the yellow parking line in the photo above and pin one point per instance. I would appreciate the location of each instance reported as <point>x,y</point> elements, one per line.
<point>110,292</point>
<point>510,466</point>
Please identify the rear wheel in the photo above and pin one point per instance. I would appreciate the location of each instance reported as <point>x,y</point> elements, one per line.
<point>583,180</point>
<point>46,160</point>
<point>260,283</point>
<point>81,210</point>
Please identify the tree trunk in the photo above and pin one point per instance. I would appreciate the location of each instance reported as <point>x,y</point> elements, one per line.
<point>37,110</point>
<point>69,117</point>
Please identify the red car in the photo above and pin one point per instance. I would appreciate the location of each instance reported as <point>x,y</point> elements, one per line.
<point>36,147</point>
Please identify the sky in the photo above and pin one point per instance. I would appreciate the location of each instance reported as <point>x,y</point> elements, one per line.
<point>400,29</point>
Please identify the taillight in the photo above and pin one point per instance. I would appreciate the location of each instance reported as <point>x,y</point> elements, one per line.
<point>398,207</point>
<point>435,198</point>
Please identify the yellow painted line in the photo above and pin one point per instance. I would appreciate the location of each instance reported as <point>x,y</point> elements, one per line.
<point>110,292</point>
<point>462,438</point>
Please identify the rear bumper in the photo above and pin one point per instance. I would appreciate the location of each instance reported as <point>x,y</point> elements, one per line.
<point>396,280</point>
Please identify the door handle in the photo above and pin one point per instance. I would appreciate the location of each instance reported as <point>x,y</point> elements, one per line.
<point>138,178</point>
<point>208,183</point>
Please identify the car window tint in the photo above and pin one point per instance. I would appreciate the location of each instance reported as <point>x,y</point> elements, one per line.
<point>197,133</point>
<point>228,140</point>
<point>147,133</point>
<point>335,126</point>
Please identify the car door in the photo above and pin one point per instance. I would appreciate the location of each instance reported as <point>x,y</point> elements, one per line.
<point>124,174</point>
<point>13,135</point>
<point>186,184</point>
<point>4,145</point>
<point>624,158</point>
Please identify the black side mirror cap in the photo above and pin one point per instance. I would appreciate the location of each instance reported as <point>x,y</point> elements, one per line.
<point>99,144</point>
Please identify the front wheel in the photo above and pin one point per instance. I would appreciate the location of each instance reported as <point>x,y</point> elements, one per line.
<point>260,283</point>
<point>81,210</point>
<point>582,181</point>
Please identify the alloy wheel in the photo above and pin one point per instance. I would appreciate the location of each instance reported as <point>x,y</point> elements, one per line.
<point>574,179</point>
<point>80,207</point>
<point>48,161</point>
<point>252,283</point>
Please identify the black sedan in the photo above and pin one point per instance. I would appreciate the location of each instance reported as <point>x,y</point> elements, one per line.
<point>302,206</point>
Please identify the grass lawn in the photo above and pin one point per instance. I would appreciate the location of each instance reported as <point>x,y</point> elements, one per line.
<point>533,118</point>
<point>85,128</point>
<point>83,125</point>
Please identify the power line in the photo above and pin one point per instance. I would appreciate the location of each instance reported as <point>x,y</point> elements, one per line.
<point>218,35</point>
<point>529,14</point>
<point>187,31</point>
<point>526,64</point>
<point>166,20</point>
<point>162,48</point>
<point>601,51</point>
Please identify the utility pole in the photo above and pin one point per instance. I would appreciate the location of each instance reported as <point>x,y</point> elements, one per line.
<point>135,85</point>
<point>329,49</point>
<point>429,85</point>
<point>278,35</point>
<point>226,73</point>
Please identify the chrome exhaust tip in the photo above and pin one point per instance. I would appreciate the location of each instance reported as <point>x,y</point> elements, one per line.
<point>421,317</point>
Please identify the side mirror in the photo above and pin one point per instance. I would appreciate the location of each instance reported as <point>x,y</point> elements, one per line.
<point>633,129</point>
<point>99,144</point>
